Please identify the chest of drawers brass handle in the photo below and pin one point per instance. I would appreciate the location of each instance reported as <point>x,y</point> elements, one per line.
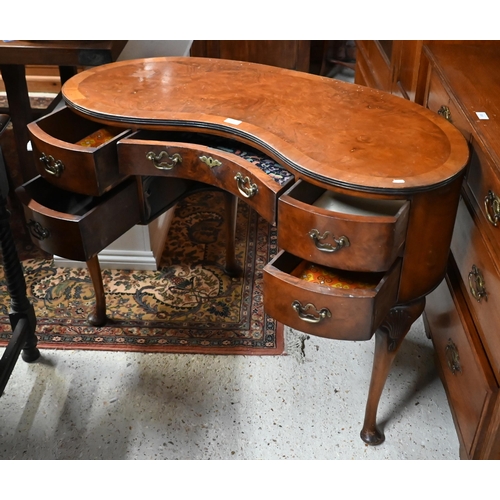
<point>52,166</point>
<point>476,284</point>
<point>171,162</point>
<point>452,357</point>
<point>245,185</point>
<point>445,112</point>
<point>492,207</point>
<point>340,243</point>
<point>308,317</point>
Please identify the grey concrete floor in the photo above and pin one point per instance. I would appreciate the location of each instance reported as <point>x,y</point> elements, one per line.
<point>117,405</point>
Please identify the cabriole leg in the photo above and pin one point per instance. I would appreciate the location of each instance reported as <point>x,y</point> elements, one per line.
<point>98,317</point>
<point>231,208</point>
<point>388,339</point>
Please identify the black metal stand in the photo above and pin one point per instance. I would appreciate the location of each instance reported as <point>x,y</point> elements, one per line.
<point>21,314</point>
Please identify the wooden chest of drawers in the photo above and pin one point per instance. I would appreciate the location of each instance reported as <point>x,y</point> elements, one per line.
<point>462,315</point>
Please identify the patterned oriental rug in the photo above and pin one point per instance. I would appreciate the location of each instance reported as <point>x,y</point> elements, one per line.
<point>188,306</point>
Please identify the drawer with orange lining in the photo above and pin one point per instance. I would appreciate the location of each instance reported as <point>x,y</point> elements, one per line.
<point>76,154</point>
<point>223,163</point>
<point>328,302</point>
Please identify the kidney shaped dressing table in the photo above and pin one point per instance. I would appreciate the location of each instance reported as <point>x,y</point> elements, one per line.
<point>363,186</point>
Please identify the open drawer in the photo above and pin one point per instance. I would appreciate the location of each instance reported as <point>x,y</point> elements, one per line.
<point>339,230</point>
<point>77,226</point>
<point>216,161</point>
<point>76,154</point>
<point>328,302</point>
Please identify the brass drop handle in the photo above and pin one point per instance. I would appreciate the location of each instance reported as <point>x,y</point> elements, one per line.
<point>492,207</point>
<point>452,357</point>
<point>51,165</point>
<point>245,185</point>
<point>316,317</point>
<point>445,112</point>
<point>171,162</point>
<point>340,243</point>
<point>37,230</point>
<point>476,284</point>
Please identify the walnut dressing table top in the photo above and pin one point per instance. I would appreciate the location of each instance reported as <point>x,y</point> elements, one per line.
<point>324,130</point>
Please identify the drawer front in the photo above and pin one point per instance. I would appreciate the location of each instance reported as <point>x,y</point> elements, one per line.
<point>73,226</point>
<point>203,164</point>
<point>341,231</point>
<point>76,154</point>
<point>485,187</point>
<point>481,280</point>
<point>439,101</point>
<point>463,365</point>
<point>327,302</point>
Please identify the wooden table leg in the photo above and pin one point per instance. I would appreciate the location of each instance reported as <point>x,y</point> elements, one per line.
<point>14,78</point>
<point>21,315</point>
<point>231,208</point>
<point>388,339</point>
<point>98,316</point>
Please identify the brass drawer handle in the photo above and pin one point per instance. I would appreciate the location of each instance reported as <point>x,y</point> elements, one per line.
<point>164,165</point>
<point>477,285</point>
<point>445,112</point>
<point>492,207</point>
<point>310,318</point>
<point>340,243</point>
<point>37,230</point>
<point>52,166</point>
<point>245,186</point>
<point>211,162</point>
<point>452,357</point>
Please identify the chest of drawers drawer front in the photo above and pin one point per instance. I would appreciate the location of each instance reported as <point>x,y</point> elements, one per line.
<point>341,231</point>
<point>73,226</point>
<point>352,312</point>
<point>481,279</point>
<point>439,101</point>
<point>484,184</point>
<point>203,164</point>
<point>464,368</point>
<point>76,154</point>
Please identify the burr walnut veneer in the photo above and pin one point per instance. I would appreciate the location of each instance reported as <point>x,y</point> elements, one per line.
<point>365,202</point>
